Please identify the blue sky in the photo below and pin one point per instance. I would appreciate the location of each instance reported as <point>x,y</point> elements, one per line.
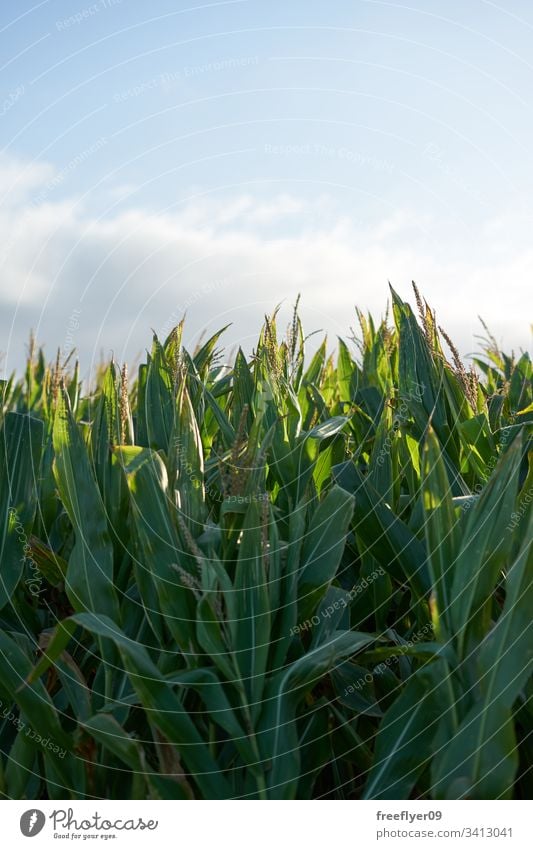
<point>219,158</point>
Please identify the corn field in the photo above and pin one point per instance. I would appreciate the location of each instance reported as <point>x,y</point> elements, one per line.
<point>283,577</point>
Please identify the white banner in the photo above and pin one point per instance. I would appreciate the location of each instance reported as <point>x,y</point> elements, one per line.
<point>232,825</point>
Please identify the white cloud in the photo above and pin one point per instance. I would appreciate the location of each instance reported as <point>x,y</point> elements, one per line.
<point>232,259</point>
<point>18,178</point>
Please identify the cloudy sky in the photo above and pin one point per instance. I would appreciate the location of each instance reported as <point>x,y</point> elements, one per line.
<point>218,158</point>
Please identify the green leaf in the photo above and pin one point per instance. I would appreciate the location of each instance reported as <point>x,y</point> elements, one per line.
<point>162,707</point>
<point>186,457</point>
<point>403,745</point>
<point>278,732</point>
<point>481,760</point>
<point>107,731</point>
<point>252,629</point>
<point>160,556</point>
<point>21,440</point>
<point>89,579</point>
<point>384,535</point>
<point>506,655</point>
<point>37,709</point>
<point>323,547</point>
<point>485,547</point>
<point>441,532</point>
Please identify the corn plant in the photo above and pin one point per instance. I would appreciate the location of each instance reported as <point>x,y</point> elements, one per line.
<point>295,577</point>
